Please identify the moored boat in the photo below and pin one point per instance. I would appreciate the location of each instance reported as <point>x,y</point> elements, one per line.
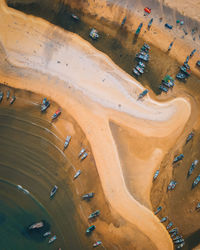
<point>13,98</point>
<point>181,76</point>
<point>173,230</point>
<point>52,239</point>
<point>163,88</point>
<point>163,219</point>
<point>158,210</point>
<point>94,34</point>
<point>196,181</point>
<point>90,229</point>
<point>84,156</point>
<point>142,57</point>
<point>190,136</point>
<point>56,114</point>
<point>94,214</point>
<point>97,243</point>
<point>53,191</point>
<point>178,158</point>
<point>45,105</point>
<point>192,167</point>
<point>88,196</point>
<point>169,225</point>
<point>139,29</point>
<point>171,185</point>
<point>77,174</point>
<point>46,234</point>
<point>8,94</point>
<point>1,96</point>
<point>150,23</point>
<point>141,64</point>
<point>36,225</point>
<point>139,69</point>
<point>81,152</point>
<point>185,70</point>
<point>67,141</point>
<point>75,17</point>
<point>136,72</point>
<point>156,175</point>
<point>141,95</point>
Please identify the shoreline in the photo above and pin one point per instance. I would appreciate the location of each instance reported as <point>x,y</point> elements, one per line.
<point>88,118</point>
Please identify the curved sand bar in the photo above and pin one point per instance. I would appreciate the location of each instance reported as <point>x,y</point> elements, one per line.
<point>90,87</point>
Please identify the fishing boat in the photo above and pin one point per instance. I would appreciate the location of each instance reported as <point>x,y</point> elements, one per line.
<point>56,114</point>
<point>173,230</point>
<point>181,245</point>
<point>198,63</point>
<point>8,94</point>
<point>170,46</point>
<point>90,229</point>
<point>53,191</point>
<point>46,234</point>
<point>84,156</point>
<point>37,225</point>
<point>198,205</point>
<point>88,196</point>
<point>81,152</point>
<point>168,81</point>
<point>22,189</point>
<point>171,185</point>
<point>45,106</point>
<point>190,136</point>
<point>158,210</point>
<point>169,26</point>
<point>156,175</point>
<point>179,241</point>
<point>75,18</point>
<point>1,96</point>
<point>185,70</point>
<point>181,76</point>
<point>67,141</point>
<point>77,174</point>
<point>13,98</point>
<point>163,88</point>
<point>142,57</point>
<point>192,53</point>
<point>139,29</point>
<point>169,225</point>
<point>94,214</point>
<point>52,239</point>
<point>193,165</point>
<point>141,95</point>
<point>141,64</point>
<point>150,23</point>
<point>178,158</point>
<point>163,219</point>
<point>139,69</point>
<point>123,21</point>
<point>196,181</point>
<point>94,34</point>
<point>97,243</point>
<point>177,238</point>
<point>136,72</point>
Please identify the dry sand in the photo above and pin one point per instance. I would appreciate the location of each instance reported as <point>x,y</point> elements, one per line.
<point>90,87</point>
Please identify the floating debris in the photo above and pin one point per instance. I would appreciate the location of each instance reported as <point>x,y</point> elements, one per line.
<point>97,243</point>
<point>198,205</point>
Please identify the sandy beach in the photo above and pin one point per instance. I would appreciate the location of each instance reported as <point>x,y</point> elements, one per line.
<point>100,97</point>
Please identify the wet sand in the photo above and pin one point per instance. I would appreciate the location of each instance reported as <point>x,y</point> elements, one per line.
<point>91,129</point>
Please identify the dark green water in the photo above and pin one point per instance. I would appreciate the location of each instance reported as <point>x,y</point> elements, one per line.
<point>30,157</point>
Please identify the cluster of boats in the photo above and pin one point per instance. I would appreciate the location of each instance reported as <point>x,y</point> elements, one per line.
<point>142,56</point>
<point>38,226</point>
<point>167,83</point>
<point>11,99</point>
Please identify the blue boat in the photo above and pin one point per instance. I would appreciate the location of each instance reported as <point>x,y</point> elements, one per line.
<point>163,88</point>
<point>90,229</point>
<point>178,158</point>
<point>163,219</point>
<point>196,181</point>
<point>150,23</point>
<point>168,26</point>
<point>194,163</point>
<point>123,21</point>
<point>139,29</point>
<point>141,95</point>
<point>158,210</point>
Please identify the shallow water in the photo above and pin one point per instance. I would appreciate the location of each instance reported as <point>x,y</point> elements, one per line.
<point>31,156</point>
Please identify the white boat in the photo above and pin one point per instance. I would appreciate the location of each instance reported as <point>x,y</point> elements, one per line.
<point>77,174</point>
<point>81,152</point>
<point>67,141</point>
<point>53,191</point>
<point>84,156</point>
<point>23,189</point>
<point>52,239</point>
<point>46,234</point>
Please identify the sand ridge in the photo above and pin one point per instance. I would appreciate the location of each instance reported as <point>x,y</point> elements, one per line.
<point>78,71</point>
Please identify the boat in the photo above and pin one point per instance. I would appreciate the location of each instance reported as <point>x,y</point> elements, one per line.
<point>163,219</point>
<point>156,175</point>
<point>97,243</point>
<point>150,23</point>
<point>194,163</point>
<point>141,95</point>
<point>179,241</point>
<point>187,59</point>
<point>141,64</point>
<point>178,158</point>
<point>167,84</point>
<point>169,225</point>
<point>181,245</point>
<point>181,76</point>
<point>13,98</point>
<point>139,69</point>
<point>94,34</point>
<point>123,21</point>
<point>163,88</point>
<point>87,196</point>
<point>67,141</point>
<point>192,53</point>
<point>145,49</point>
<point>53,191</point>
<point>198,63</point>
<point>173,235</point>
<point>56,114</point>
<point>46,234</point>
<point>45,105</point>
<point>185,64</point>
<point>139,29</point>
<point>173,230</point>
<point>75,18</point>
<point>81,152</point>
<point>136,72</point>
<point>177,238</point>
<point>170,46</point>
<point>142,57</point>
<point>23,189</point>
<point>171,185</point>
<point>8,94</point>
<point>196,181</point>
<point>52,239</point>
<point>1,96</point>
<point>158,210</point>
<point>169,26</point>
<point>168,81</point>
<point>185,70</point>
<point>147,10</point>
<point>190,136</point>
<point>198,205</point>
<point>77,174</point>
<point>84,156</point>
<point>94,214</point>
<point>90,229</point>
<point>37,225</point>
